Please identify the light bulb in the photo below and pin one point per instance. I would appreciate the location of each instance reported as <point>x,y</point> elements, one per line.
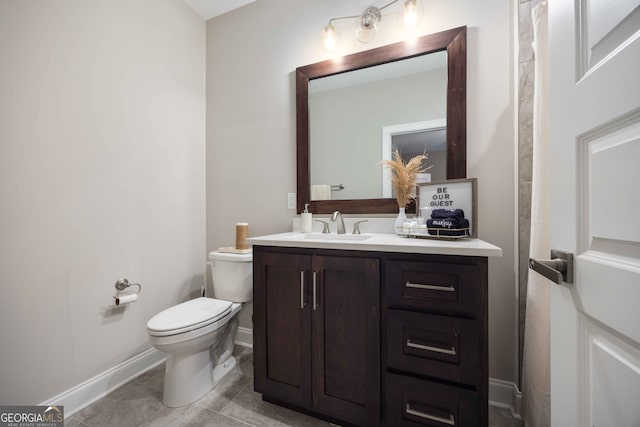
<point>411,13</point>
<point>330,38</point>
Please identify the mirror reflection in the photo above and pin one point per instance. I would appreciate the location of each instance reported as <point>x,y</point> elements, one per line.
<point>358,118</point>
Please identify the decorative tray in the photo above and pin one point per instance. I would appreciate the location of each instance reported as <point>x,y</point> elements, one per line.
<point>423,233</point>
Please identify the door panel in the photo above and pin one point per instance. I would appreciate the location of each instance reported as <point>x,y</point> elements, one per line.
<point>345,346</point>
<point>283,325</point>
<point>614,373</point>
<point>605,25</point>
<point>281,322</point>
<point>595,200</point>
<point>346,342</point>
<point>609,238</point>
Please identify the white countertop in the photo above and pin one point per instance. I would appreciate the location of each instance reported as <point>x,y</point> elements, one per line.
<point>380,243</point>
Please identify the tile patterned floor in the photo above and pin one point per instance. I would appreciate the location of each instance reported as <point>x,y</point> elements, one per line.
<point>232,403</point>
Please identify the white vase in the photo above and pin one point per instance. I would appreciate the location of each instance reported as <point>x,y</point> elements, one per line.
<point>400,220</point>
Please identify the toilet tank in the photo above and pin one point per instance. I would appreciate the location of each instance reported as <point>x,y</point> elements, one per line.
<point>232,276</point>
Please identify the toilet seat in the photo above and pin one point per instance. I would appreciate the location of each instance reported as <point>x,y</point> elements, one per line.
<point>188,316</point>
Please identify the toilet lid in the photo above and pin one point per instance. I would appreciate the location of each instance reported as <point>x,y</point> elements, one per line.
<point>188,316</point>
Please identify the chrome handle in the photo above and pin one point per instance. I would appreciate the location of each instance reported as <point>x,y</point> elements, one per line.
<point>356,226</point>
<point>325,226</point>
<point>315,301</point>
<point>449,288</point>
<point>556,269</point>
<point>302,289</point>
<point>452,352</point>
<point>450,421</point>
<point>549,268</point>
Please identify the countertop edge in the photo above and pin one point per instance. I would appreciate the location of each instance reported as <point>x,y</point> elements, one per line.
<point>385,243</point>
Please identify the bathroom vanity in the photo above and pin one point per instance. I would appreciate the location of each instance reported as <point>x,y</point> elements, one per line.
<point>375,330</point>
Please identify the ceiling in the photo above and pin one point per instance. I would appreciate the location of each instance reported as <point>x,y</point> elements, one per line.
<point>211,8</point>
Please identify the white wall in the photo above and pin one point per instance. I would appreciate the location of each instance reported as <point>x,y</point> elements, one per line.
<point>102,175</point>
<point>252,53</point>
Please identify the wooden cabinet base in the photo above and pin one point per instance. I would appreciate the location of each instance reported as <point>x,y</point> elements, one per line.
<point>372,338</point>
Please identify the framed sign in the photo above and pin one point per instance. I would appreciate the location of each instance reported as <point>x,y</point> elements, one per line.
<point>459,197</point>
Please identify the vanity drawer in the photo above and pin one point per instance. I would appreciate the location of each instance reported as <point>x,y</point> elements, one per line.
<point>416,402</point>
<point>436,346</point>
<point>439,287</point>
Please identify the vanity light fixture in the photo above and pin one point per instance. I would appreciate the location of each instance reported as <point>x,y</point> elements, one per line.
<point>368,23</point>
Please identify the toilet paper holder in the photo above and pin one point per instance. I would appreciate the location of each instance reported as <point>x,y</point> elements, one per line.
<point>123,283</point>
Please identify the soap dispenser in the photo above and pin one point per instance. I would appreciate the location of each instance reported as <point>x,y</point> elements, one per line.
<point>306,217</point>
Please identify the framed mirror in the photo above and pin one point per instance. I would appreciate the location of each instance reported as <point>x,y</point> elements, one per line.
<point>328,146</point>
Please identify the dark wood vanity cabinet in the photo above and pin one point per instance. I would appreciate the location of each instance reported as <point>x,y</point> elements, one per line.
<point>372,338</point>
<point>316,333</point>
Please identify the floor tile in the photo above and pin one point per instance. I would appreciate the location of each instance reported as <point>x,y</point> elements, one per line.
<point>73,422</point>
<point>128,406</point>
<point>502,418</point>
<point>245,363</point>
<point>192,416</point>
<point>249,407</point>
<point>153,378</point>
<point>224,392</point>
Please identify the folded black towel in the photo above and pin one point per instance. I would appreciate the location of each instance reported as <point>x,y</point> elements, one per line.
<point>447,213</point>
<point>448,223</point>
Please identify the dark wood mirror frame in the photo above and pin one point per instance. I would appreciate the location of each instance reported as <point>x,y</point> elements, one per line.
<point>454,41</point>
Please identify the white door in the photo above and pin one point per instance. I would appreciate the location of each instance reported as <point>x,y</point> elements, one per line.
<point>595,144</point>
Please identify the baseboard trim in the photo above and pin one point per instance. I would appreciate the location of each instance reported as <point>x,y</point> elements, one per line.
<point>84,394</point>
<point>244,337</point>
<point>505,395</point>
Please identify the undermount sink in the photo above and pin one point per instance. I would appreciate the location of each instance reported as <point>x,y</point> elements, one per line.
<point>332,236</point>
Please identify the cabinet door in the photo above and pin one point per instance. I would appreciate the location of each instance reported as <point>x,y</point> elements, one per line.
<point>281,325</point>
<point>346,338</point>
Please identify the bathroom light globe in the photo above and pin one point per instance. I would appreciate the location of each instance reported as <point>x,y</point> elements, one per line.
<point>330,38</point>
<point>368,26</point>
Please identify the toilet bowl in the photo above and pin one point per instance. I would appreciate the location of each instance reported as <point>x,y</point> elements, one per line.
<point>197,335</point>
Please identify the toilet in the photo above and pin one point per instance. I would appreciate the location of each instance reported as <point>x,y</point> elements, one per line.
<point>197,335</point>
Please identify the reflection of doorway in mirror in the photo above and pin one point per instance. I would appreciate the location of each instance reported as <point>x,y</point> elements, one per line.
<point>412,139</point>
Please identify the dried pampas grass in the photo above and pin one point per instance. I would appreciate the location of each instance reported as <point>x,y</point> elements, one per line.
<point>403,176</point>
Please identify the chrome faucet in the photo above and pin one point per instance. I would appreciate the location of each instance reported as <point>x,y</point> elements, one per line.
<point>337,217</point>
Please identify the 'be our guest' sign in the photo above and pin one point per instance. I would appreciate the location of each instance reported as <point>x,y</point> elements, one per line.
<point>452,194</point>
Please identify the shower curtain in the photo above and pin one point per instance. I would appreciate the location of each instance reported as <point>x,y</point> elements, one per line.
<point>536,360</point>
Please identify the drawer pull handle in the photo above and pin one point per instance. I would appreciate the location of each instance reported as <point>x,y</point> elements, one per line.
<point>450,421</point>
<point>430,287</point>
<point>452,352</point>
<point>302,289</point>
